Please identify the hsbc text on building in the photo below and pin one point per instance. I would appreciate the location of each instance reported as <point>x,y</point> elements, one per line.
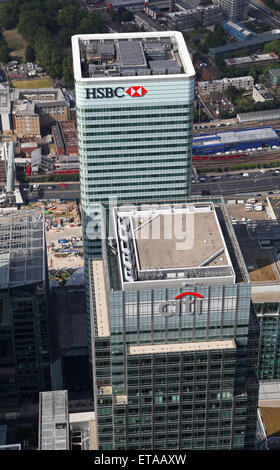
<point>119,92</point>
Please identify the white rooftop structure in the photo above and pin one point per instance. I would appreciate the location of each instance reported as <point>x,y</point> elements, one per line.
<point>171,244</point>
<point>117,56</point>
<point>53,420</point>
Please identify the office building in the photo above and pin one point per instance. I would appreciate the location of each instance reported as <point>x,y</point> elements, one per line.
<point>175,336</point>
<point>235,10</point>
<point>24,361</point>
<point>259,242</point>
<point>142,129</point>
<point>134,97</point>
<point>134,103</point>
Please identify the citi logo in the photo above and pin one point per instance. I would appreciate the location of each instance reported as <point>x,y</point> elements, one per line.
<point>185,303</point>
<point>135,91</point>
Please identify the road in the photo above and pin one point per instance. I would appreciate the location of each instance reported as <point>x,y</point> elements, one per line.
<point>238,184</point>
<point>233,184</point>
<point>52,191</point>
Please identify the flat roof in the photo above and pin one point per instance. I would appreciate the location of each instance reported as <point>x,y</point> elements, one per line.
<point>268,113</point>
<point>58,136</point>
<point>275,72</point>
<point>256,41</point>
<point>251,58</point>
<point>181,347</point>
<point>159,252</point>
<point>53,420</point>
<point>260,262</point>
<point>22,248</point>
<point>117,56</point>
<point>101,303</point>
<point>269,390</point>
<point>242,135</point>
<point>274,203</point>
<point>170,243</point>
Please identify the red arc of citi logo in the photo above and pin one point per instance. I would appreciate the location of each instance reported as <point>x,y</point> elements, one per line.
<point>188,305</point>
<point>136,91</point>
<point>199,296</point>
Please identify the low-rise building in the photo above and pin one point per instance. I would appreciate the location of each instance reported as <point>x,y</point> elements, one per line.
<point>260,93</point>
<point>237,30</point>
<point>274,75</point>
<point>247,61</point>
<point>186,19</point>
<point>211,86</point>
<point>51,104</point>
<point>259,116</point>
<point>5,108</point>
<point>26,120</point>
<point>69,135</point>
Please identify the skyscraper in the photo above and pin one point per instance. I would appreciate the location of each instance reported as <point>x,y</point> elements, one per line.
<point>24,358</point>
<point>134,103</point>
<point>235,10</point>
<point>175,336</point>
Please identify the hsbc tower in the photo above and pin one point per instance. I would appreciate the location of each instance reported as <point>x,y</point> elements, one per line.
<point>134,104</point>
<point>134,108</point>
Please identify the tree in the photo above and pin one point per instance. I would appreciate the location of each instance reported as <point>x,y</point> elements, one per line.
<point>64,37</point>
<point>9,15</point>
<point>93,24</point>
<point>70,17</point>
<point>67,70</point>
<point>124,14</point>
<point>273,46</point>
<point>4,54</point>
<point>29,54</point>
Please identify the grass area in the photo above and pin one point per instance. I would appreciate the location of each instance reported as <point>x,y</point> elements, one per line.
<point>15,42</point>
<point>271,419</point>
<point>264,271</point>
<point>31,84</point>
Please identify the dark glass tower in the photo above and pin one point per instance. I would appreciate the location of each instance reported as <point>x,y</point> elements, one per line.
<point>174,371</point>
<point>24,354</point>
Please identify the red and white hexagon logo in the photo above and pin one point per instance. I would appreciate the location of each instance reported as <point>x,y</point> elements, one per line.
<point>136,91</point>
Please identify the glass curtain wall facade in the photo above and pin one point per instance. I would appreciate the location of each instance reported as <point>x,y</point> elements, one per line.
<point>24,358</point>
<point>131,148</point>
<point>269,348</point>
<point>186,381</point>
<point>133,151</point>
<point>176,400</point>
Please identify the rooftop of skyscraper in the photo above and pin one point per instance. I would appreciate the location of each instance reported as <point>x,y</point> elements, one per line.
<point>175,245</point>
<point>22,247</point>
<point>130,54</point>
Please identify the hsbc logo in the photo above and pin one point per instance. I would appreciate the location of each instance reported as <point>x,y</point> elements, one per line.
<point>185,303</point>
<point>135,91</point>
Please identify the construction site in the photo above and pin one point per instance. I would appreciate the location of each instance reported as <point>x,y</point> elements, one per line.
<point>63,230</point>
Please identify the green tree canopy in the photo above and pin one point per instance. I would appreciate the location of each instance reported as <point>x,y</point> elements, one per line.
<point>9,13</point>
<point>4,54</point>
